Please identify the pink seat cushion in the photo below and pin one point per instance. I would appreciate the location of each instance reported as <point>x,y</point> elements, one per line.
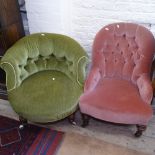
<point>116,100</point>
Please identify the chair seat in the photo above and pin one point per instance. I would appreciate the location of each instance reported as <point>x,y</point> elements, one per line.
<point>48,96</point>
<point>116,101</point>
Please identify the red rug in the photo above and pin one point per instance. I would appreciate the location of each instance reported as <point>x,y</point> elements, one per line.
<point>32,140</point>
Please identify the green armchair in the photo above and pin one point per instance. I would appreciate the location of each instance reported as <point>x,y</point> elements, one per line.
<point>44,76</point>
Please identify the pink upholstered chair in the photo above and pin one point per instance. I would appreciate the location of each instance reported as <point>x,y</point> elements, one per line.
<point>118,88</point>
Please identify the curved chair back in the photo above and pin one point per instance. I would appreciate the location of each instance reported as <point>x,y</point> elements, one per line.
<point>123,50</point>
<point>44,51</point>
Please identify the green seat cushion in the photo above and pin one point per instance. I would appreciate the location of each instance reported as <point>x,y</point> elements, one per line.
<point>46,96</point>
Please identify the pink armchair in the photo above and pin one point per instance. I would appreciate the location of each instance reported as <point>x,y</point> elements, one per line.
<point>118,88</point>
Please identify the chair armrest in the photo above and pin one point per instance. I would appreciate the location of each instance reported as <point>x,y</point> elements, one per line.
<point>10,75</point>
<point>145,88</point>
<point>92,80</point>
<point>81,69</point>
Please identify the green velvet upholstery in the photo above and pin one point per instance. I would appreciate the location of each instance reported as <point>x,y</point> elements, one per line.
<point>45,75</point>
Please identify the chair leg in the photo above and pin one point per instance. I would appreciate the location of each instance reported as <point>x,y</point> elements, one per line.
<point>23,122</point>
<point>85,119</point>
<point>71,119</point>
<point>140,129</point>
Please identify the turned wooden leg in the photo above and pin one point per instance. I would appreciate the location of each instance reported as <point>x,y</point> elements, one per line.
<point>85,119</point>
<point>140,129</point>
<point>71,119</point>
<point>23,122</point>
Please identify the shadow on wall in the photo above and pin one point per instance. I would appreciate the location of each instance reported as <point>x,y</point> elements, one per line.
<point>24,16</point>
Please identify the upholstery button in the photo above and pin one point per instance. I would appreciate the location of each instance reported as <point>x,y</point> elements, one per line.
<point>136,47</point>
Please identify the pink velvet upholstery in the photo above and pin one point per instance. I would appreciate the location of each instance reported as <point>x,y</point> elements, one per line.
<point>118,88</point>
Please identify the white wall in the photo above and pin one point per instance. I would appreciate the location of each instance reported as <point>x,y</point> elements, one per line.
<point>81,19</point>
<point>47,15</point>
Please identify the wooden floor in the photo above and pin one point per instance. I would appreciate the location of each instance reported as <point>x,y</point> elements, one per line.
<point>116,134</point>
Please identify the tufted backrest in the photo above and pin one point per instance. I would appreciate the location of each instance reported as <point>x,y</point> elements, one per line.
<point>123,50</point>
<point>44,51</point>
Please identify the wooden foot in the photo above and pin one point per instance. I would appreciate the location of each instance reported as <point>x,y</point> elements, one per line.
<point>140,129</point>
<point>85,119</point>
<point>23,122</point>
<point>71,119</point>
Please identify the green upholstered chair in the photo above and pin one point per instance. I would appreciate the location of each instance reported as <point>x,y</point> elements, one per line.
<point>44,76</point>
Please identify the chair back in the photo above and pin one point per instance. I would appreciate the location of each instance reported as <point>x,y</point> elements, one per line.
<point>123,50</point>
